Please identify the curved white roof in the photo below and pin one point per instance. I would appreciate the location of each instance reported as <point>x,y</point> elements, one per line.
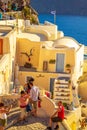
<point>29,36</point>
<point>66,42</point>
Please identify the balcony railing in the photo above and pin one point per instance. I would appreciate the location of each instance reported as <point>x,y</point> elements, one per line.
<point>4,61</point>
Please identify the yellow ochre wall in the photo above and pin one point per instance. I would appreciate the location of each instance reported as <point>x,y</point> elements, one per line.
<point>85,66</point>
<point>41,54</point>
<point>42,80</point>
<point>46,55</point>
<point>24,45</point>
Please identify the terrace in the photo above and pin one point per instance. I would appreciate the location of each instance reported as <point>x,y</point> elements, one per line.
<point>4,29</point>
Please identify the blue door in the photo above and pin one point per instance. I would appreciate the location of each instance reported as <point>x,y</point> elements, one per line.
<point>60,62</point>
<point>51,84</point>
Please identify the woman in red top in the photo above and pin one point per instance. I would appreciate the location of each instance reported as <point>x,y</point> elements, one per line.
<point>58,118</point>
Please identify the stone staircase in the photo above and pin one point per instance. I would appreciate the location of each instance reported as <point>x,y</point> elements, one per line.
<point>43,113</point>
<point>12,117</point>
<point>14,113</point>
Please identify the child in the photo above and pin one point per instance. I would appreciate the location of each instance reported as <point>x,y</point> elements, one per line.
<point>3,117</point>
<point>27,89</point>
<point>23,101</point>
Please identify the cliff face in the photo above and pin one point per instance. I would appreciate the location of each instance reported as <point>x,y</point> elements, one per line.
<point>63,7</point>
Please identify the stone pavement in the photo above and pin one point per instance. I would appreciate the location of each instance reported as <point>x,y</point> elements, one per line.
<point>31,123</point>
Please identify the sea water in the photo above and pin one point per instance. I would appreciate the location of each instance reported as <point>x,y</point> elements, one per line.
<point>72,26</point>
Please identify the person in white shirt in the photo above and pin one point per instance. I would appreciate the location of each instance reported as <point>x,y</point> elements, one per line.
<point>34,94</point>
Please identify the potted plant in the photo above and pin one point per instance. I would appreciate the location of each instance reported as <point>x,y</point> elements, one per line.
<point>27,65</point>
<point>69,81</point>
<point>68,65</point>
<point>52,61</point>
<point>68,68</point>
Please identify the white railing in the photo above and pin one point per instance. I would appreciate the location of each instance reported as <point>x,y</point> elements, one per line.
<point>4,65</point>
<point>46,103</point>
<point>4,61</point>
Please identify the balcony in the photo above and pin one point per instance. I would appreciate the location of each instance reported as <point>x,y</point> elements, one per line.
<point>22,68</point>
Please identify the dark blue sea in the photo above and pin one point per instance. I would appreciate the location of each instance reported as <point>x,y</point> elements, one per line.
<point>73,26</point>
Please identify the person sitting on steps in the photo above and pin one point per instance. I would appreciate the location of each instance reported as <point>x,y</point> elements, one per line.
<point>58,116</point>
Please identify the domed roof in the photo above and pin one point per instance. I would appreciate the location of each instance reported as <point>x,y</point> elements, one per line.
<point>66,42</point>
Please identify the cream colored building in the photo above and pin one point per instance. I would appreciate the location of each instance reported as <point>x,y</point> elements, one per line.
<point>41,51</point>
<point>7,57</point>
<point>50,51</point>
